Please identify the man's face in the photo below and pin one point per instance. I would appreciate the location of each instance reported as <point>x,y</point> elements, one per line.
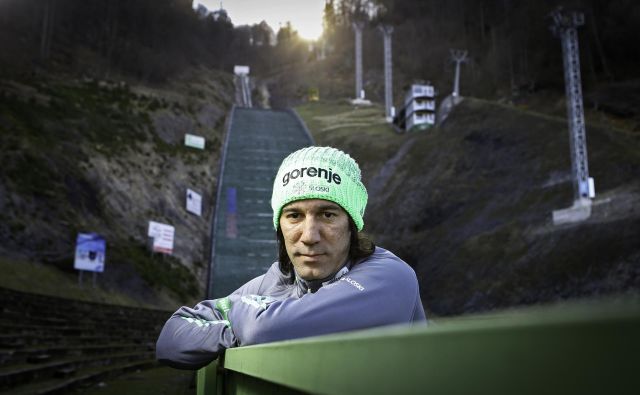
<point>316,236</point>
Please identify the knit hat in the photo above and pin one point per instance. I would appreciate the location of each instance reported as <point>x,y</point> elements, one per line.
<point>320,173</point>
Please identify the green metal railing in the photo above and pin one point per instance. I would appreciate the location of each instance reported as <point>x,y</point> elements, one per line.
<point>572,349</point>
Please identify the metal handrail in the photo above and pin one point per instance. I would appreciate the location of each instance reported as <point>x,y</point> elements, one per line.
<point>591,348</point>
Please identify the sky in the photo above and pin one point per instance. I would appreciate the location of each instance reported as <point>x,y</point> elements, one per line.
<point>304,15</point>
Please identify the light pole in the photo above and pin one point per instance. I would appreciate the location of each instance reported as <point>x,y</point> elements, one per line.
<point>357,28</point>
<point>565,27</point>
<point>387,30</point>
<point>458,56</point>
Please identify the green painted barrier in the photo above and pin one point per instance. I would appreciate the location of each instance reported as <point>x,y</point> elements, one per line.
<point>573,349</point>
<point>208,382</point>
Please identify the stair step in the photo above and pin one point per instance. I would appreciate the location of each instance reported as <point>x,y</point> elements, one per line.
<point>12,376</point>
<point>51,345</point>
<point>64,372</point>
<point>26,340</point>
<point>60,350</point>
<point>39,358</point>
<point>79,377</point>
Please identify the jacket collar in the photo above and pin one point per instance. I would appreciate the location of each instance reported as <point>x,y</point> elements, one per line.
<point>311,286</point>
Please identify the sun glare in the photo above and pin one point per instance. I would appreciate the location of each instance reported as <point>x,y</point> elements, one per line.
<point>305,15</point>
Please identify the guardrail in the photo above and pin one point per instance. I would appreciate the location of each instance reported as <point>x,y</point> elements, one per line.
<point>575,349</point>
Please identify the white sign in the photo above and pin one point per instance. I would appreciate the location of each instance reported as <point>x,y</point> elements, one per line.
<point>241,70</point>
<point>194,202</point>
<point>191,140</point>
<point>90,252</point>
<point>162,237</point>
<point>592,188</point>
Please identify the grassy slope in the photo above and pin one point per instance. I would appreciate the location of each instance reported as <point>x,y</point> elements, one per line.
<point>44,279</point>
<point>157,381</point>
<point>469,204</point>
<point>361,132</point>
<point>83,156</point>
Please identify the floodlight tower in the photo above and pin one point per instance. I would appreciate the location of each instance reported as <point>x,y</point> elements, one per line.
<point>357,28</point>
<point>565,26</point>
<point>458,56</point>
<point>387,30</point>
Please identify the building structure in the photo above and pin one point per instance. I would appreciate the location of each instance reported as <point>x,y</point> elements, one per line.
<point>419,110</point>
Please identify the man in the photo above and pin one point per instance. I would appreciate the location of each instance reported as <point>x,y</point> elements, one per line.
<point>328,277</point>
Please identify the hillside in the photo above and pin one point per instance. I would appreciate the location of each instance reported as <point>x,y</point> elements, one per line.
<point>469,204</point>
<point>86,155</point>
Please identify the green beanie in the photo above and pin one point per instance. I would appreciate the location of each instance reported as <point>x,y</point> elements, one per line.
<point>320,173</point>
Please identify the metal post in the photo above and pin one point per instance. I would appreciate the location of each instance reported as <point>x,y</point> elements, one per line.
<point>357,28</point>
<point>246,90</point>
<point>458,56</point>
<point>387,30</point>
<point>565,27</point>
<point>456,82</point>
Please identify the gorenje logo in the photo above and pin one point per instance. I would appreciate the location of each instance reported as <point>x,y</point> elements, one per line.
<point>319,172</point>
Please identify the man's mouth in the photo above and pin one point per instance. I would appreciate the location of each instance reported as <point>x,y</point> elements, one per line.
<point>309,255</point>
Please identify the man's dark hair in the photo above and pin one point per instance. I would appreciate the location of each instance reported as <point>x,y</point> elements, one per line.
<point>360,246</point>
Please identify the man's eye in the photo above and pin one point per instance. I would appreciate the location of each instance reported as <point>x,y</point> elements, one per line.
<point>329,214</point>
<point>293,215</point>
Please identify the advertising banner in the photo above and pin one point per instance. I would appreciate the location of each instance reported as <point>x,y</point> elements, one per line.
<point>191,140</point>
<point>90,252</point>
<point>232,218</point>
<point>194,202</point>
<point>162,235</point>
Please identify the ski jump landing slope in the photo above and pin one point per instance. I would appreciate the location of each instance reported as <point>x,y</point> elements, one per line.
<point>243,239</point>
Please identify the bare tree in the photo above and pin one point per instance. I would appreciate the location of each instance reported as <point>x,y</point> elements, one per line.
<point>591,22</point>
<point>111,35</point>
<point>46,32</point>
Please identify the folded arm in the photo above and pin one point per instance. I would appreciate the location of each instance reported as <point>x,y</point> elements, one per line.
<point>361,299</point>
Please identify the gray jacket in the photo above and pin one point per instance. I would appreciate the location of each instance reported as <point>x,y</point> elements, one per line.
<point>379,290</point>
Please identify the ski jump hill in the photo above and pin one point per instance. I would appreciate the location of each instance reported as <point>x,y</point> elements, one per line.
<point>243,239</point>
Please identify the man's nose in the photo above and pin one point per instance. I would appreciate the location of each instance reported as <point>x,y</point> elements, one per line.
<point>310,231</point>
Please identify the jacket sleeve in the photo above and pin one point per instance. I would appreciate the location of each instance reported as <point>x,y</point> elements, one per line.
<point>194,337</point>
<point>376,293</point>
